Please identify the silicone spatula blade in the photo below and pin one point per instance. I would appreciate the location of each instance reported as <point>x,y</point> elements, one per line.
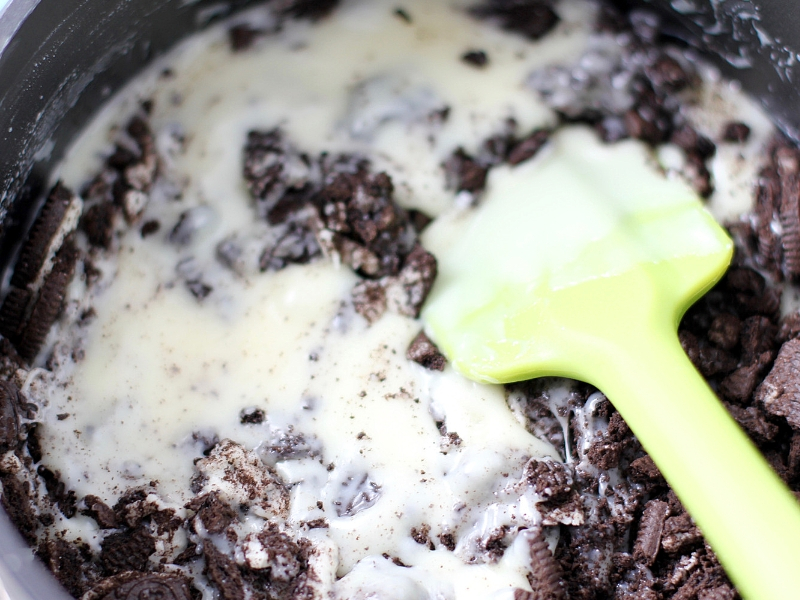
<point>580,264</point>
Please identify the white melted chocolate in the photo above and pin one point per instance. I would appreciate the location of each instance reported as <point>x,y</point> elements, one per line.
<point>161,369</point>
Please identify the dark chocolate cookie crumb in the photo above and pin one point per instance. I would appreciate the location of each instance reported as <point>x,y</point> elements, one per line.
<point>779,393</point>
<point>476,58</point>
<point>693,142</point>
<point>149,228</point>
<point>18,502</point>
<point>252,416</point>
<point>369,300</point>
<point>753,421</point>
<point>448,540</point>
<point>34,251</point>
<point>424,352</point>
<point>680,534</point>
<point>9,416</point>
<point>57,489</point>
<point>644,470</point>
<point>421,534</point>
<point>403,15</point>
<point>465,173</point>
<point>651,526</point>
<point>787,161</point>
<point>98,510</point>
<point>99,223</point>
<point>313,10</point>
<point>199,289</point>
<point>223,573</point>
<point>725,330</point>
<point>528,147</point>
<point>551,480</point>
<point>411,287</point>
<point>736,132</point>
<point>418,219</point>
<point>66,563</point>
<point>12,313</point>
<point>666,72</point>
<point>242,37</point>
<point>533,19</point>
<point>141,586</point>
<point>126,551</point>
<point>213,514</point>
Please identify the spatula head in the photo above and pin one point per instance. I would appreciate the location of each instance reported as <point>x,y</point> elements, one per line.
<point>567,253</point>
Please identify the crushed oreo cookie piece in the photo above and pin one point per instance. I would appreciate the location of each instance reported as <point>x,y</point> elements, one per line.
<point>424,352</point>
<point>476,58</point>
<point>240,478</point>
<point>680,534</point>
<point>18,501</point>
<point>666,72</point>
<point>98,510</point>
<point>48,305</point>
<point>66,563</point>
<point>644,470</point>
<point>213,515</point>
<point>223,573</point>
<point>241,37</point>
<point>9,416</point>
<point>313,10</point>
<point>99,223</point>
<point>126,551</point>
<point>421,535</point>
<point>528,147</point>
<point>651,527</point>
<point>551,480</point>
<point>534,19</point>
<point>736,132</point>
<point>693,142</point>
<point>57,217</point>
<point>465,173</point>
<point>12,313</point>
<point>149,228</point>
<point>779,393</point>
<point>252,416</point>
<point>407,292</point>
<point>65,499</point>
<point>138,586</point>
<point>403,15</point>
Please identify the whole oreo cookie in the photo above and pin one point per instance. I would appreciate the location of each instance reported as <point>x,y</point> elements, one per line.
<point>141,586</point>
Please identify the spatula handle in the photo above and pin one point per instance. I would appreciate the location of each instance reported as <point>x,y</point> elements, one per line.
<point>717,473</point>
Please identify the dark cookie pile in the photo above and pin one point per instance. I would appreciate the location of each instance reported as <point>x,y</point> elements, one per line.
<point>632,540</point>
<point>632,87</point>
<point>335,205</point>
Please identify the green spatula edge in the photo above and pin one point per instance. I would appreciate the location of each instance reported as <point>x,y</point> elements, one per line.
<point>618,331</point>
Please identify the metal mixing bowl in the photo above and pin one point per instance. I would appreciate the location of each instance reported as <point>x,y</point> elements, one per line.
<point>61,59</point>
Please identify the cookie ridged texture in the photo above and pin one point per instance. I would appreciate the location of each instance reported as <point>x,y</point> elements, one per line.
<point>9,417</point>
<point>35,249</point>
<point>48,305</point>
<point>136,586</point>
<point>12,313</point>
<point>545,575</point>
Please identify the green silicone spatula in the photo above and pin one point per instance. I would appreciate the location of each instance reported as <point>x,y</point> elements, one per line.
<point>580,263</point>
